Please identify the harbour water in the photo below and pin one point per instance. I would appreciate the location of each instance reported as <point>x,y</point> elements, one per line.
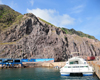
<point>39,74</point>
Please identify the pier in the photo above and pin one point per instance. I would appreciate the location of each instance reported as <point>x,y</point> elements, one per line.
<point>44,64</point>
<point>96,67</point>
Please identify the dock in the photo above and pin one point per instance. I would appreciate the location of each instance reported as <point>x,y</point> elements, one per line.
<point>44,64</point>
<point>96,67</point>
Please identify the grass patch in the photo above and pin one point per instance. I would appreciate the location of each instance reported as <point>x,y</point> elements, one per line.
<point>71,31</point>
<point>46,22</point>
<point>7,16</point>
<point>79,33</point>
<point>18,19</point>
<point>7,43</point>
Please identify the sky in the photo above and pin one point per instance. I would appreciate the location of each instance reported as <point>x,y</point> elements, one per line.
<point>81,15</point>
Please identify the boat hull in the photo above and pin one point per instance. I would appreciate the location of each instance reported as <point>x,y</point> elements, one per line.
<point>84,73</point>
<point>65,74</point>
<point>88,74</point>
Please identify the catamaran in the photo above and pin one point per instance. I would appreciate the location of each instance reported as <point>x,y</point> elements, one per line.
<point>76,65</point>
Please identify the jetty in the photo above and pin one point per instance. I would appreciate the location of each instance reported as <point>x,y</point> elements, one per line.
<point>96,67</point>
<point>44,64</point>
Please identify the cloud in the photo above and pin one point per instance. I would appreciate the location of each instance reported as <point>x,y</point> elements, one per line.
<point>53,17</point>
<point>78,9</point>
<point>32,2</point>
<point>1,2</point>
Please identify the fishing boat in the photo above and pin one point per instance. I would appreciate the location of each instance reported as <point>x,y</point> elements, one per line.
<point>76,65</point>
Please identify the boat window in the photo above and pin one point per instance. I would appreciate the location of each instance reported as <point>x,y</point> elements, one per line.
<point>75,66</point>
<point>84,62</point>
<point>74,62</point>
<point>83,66</point>
<point>69,66</point>
<point>71,62</point>
<point>66,67</point>
<point>86,66</point>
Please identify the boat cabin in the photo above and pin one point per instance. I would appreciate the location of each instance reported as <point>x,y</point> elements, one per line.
<point>75,60</point>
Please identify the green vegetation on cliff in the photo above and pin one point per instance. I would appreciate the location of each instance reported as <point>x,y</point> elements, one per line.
<point>10,17</point>
<point>46,22</point>
<point>71,31</point>
<point>7,16</point>
<point>79,33</point>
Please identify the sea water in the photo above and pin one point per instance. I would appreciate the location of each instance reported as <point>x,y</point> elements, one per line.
<point>39,74</point>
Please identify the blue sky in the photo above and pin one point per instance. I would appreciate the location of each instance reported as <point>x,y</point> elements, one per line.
<point>81,15</point>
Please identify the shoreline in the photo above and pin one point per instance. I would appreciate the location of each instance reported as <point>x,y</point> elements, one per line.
<point>94,64</point>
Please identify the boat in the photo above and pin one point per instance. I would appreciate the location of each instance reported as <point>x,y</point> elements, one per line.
<point>76,65</point>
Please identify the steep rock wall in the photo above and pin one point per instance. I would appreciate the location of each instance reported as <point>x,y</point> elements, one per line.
<point>32,38</point>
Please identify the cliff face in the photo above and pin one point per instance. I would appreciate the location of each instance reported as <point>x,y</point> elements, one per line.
<point>32,38</point>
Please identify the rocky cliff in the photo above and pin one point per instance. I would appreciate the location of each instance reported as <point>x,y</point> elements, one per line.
<point>30,37</point>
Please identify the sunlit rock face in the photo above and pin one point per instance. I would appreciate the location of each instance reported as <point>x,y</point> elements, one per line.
<point>33,38</point>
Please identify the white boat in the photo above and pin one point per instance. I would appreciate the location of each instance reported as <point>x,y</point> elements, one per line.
<point>76,65</point>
